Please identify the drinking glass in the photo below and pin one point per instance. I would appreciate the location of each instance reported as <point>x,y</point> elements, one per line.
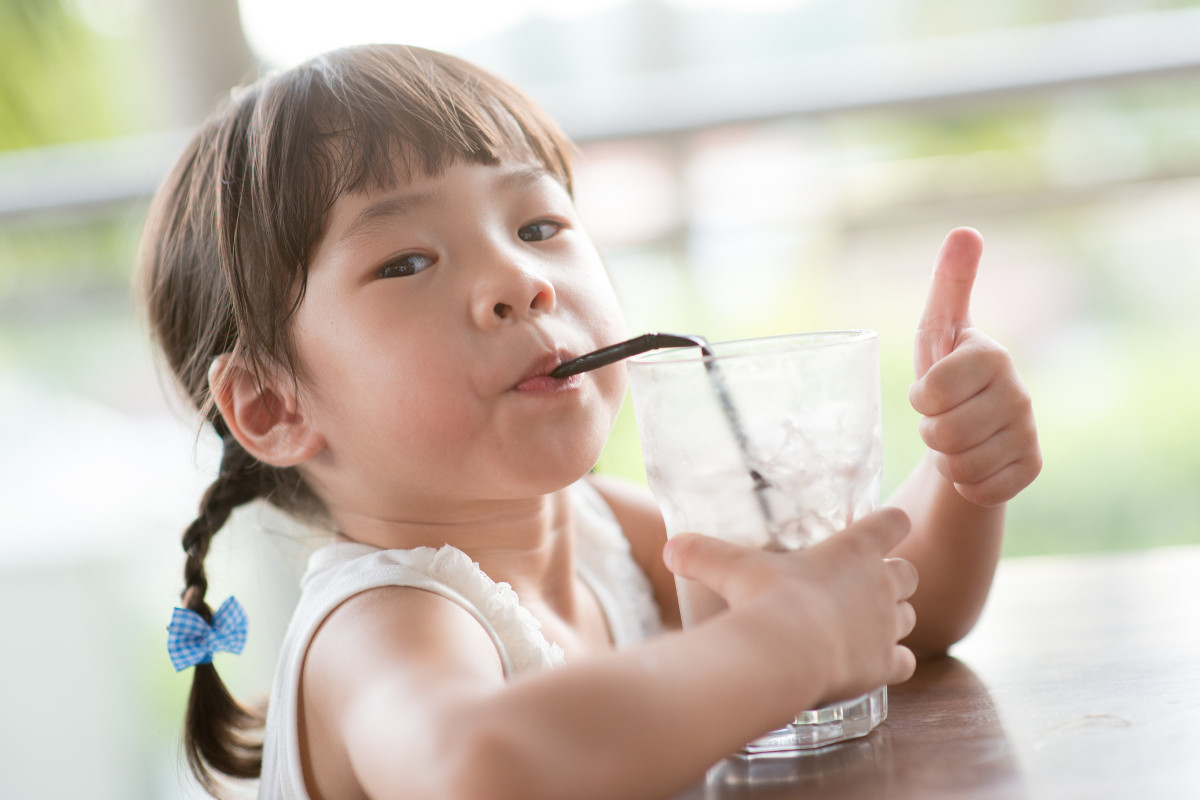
<point>772,442</point>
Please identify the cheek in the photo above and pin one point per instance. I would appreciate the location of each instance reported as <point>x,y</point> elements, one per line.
<point>376,402</point>
<point>601,310</point>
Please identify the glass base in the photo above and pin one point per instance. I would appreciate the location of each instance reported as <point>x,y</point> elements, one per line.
<point>827,725</point>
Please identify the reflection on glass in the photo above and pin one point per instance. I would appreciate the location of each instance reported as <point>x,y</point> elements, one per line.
<point>867,763</point>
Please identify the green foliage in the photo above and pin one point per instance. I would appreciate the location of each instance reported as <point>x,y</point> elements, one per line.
<point>55,86</point>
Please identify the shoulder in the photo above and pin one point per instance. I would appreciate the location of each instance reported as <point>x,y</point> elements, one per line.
<point>384,656</point>
<point>642,523</point>
<point>390,626</point>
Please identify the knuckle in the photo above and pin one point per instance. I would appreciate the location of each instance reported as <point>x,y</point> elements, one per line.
<point>1019,400</point>
<point>995,354</point>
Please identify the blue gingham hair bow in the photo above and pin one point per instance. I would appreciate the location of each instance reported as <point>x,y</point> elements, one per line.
<point>192,641</point>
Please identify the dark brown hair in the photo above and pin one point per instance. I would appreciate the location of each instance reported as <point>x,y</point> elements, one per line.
<point>225,251</point>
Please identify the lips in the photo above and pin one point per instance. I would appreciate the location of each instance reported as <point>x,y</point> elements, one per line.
<point>537,376</point>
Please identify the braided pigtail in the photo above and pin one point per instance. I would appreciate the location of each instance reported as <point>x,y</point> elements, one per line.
<point>220,734</point>
<point>223,266</point>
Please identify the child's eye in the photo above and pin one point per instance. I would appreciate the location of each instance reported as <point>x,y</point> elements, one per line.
<point>539,231</point>
<point>405,265</point>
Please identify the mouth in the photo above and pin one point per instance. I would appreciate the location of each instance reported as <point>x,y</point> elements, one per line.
<point>537,377</point>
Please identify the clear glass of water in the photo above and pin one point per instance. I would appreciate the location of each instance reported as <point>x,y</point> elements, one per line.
<point>772,442</point>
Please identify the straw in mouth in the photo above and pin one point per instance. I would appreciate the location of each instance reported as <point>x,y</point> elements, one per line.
<point>630,347</point>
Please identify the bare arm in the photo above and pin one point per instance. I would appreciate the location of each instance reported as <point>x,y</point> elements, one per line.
<point>955,545</point>
<point>420,709</point>
<point>977,421</point>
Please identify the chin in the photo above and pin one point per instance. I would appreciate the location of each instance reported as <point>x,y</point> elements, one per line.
<point>568,464</point>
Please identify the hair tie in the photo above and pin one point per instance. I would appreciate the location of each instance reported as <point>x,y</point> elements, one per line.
<point>191,640</point>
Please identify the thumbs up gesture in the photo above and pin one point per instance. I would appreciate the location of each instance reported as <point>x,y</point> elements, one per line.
<point>977,417</point>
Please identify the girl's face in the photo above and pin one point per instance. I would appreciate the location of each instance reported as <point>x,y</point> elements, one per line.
<point>432,314</point>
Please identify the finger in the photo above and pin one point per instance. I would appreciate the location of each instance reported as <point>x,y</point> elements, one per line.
<point>1004,485</point>
<point>978,464</point>
<point>876,534</point>
<point>904,664</point>
<point>977,362</point>
<point>966,426</point>
<point>703,558</point>
<point>903,576</point>
<point>948,304</point>
<point>906,617</point>
<point>949,298</point>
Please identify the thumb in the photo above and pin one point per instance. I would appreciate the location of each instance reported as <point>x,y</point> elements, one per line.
<point>948,305</point>
<point>704,559</point>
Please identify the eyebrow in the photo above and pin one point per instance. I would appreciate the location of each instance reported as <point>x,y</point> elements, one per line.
<point>526,176</point>
<point>384,209</point>
<point>389,208</point>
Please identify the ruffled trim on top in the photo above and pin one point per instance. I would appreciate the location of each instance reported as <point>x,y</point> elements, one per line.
<point>519,629</point>
<point>602,558</point>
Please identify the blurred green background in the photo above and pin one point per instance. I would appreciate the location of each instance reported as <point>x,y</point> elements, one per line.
<point>746,168</point>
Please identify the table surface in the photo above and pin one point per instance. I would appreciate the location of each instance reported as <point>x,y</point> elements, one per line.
<point>1081,680</point>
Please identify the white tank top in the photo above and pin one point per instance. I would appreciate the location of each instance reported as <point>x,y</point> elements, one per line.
<point>341,570</point>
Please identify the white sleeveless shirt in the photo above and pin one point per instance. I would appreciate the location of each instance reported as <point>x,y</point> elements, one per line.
<point>341,570</point>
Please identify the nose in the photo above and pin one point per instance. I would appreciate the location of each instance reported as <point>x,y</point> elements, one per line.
<point>508,289</point>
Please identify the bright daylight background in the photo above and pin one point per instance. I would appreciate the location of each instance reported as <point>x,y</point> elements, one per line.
<point>748,168</point>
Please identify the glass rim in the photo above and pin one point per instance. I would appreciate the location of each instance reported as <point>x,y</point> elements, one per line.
<point>773,345</point>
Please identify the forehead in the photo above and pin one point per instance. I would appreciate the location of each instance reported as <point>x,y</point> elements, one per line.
<point>356,214</point>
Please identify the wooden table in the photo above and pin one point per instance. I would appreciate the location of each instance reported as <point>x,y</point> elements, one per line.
<point>1081,680</point>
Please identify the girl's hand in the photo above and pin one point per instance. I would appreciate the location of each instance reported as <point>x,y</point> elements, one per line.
<point>978,417</point>
<point>839,602</point>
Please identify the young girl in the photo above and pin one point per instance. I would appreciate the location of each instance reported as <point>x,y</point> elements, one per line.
<point>361,272</point>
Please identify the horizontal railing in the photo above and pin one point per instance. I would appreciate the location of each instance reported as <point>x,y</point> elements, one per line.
<point>949,71</point>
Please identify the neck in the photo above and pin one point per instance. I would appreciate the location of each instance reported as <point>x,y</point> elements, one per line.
<point>526,543</point>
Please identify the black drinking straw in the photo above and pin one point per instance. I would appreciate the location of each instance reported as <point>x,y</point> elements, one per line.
<point>631,347</point>
<point>655,341</point>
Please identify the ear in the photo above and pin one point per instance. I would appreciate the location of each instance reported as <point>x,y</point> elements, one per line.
<point>267,420</point>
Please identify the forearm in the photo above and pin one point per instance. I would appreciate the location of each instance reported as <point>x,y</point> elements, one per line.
<point>802,628</point>
<point>955,545</point>
<point>642,722</point>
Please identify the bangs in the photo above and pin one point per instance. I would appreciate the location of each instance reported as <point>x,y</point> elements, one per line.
<point>384,121</point>
<point>370,117</point>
